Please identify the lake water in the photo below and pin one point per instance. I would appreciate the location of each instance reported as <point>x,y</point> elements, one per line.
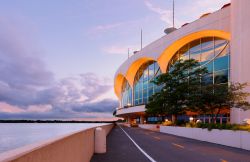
<point>15,135</point>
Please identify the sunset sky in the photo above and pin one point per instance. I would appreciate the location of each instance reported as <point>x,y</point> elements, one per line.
<point>58,57</point>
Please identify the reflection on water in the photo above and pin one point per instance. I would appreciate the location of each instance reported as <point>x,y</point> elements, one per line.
<point>14,135</point>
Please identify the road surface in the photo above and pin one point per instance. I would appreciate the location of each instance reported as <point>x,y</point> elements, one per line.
<point>126,144</point>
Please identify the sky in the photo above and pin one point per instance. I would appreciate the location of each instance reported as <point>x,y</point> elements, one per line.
<point>58,57</point>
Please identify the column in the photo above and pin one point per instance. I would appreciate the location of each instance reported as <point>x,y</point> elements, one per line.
<point>240,51</point>
<point>142,119</point>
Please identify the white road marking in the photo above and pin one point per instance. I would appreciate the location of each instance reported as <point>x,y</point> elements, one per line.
<point>149,157</point>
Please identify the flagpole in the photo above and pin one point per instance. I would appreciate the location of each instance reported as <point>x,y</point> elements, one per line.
<point>128,52</point>
<point>173,13</point>
<point>141,39</point>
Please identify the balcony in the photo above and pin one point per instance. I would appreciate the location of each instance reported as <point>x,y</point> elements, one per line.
<point>131,110</point>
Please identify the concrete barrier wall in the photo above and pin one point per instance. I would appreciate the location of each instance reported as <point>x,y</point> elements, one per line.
<point>149,126</point>
<point>238,139</point>
<point>107,128</point>
<point>74,147</point>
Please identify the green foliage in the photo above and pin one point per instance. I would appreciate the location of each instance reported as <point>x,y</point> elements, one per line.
<point>176,86</point>
<point>183,90</point>
<point>234,127</point>
<point>212,99</point>
<point>191,125</point>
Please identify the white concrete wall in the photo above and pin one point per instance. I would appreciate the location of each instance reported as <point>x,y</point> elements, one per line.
<point>238,139</point>
<point>149,126</point>
<point>74,147</point>
<point>240,50</point>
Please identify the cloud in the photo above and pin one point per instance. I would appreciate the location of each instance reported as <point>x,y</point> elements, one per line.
<point>7,108</point>
<point>39,108</point>
<point>116,49</point>
<point>165,15</point>
<point>106,105</point>
<point>106,27</point>
<point>29,90</point>
<point>209,5</point>
<point>73,97</point>
<point>195,8</point>
<point>19,64</point>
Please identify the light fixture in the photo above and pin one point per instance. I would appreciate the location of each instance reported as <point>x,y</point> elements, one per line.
<point>191,119</point>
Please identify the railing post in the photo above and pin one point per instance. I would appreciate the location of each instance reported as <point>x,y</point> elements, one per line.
<point>100,140</point>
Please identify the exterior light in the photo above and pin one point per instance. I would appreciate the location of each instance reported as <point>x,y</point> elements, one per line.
<point>246,121</point>
<point>198,121</point>
<point>191,119</point>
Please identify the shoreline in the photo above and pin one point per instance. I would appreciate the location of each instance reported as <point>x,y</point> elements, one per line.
<point>53,121</point>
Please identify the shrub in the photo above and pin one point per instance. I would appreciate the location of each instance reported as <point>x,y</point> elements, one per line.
<point>167,123</point>
<point>211,126</point>
<point>180,123</point>
<point>191,125</point>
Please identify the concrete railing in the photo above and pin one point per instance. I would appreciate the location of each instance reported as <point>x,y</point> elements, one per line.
<point>154,127</point>
<point>74,147</point>
<point>238,139</point>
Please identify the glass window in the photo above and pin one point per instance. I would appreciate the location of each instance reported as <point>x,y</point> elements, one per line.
<point>184,53</point>
<point>205,50</point>
<point>207,43</point>
<point>150,91</point>
<point>207,79</point>
<point>212,53</point>
<point>126,94</point>
<point>151,71</point>
<point>221,76</point>
<point>195,50</point>
<point>146,73</point>
<point>207,54</point>
<point>221,47</point>
<point>208,65</point>
<point>221,63</point>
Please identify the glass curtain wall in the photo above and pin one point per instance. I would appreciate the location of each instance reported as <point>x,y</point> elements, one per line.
<point>211,52</point>
<point>143,87</point>
<point>126,95</point>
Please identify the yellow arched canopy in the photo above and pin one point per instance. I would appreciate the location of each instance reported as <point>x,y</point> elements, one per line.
<point>169,52</point>
<point>165,56</point>
<point>118,84</point>
<point>130,75</point>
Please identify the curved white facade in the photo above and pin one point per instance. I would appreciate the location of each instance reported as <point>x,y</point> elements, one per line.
<point>218,24</point>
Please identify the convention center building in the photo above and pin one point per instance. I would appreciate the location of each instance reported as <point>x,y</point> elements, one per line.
<point>220,41</point>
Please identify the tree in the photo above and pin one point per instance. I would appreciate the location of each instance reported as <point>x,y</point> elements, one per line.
<point>212,99</point>
<point>183,77</point>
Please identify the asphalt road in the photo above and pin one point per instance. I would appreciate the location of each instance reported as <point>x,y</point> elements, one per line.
<point>163,147</point>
